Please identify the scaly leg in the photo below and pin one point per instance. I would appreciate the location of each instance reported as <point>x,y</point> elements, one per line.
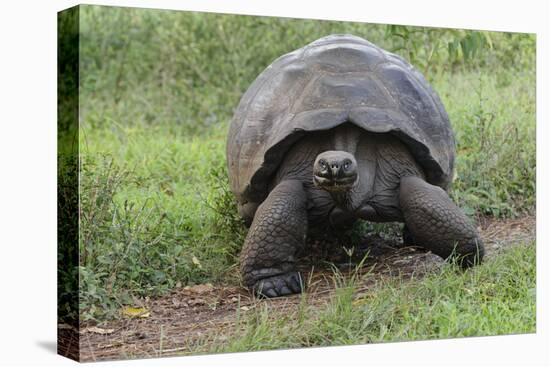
<point>437,224</point>
<point>277,232</point>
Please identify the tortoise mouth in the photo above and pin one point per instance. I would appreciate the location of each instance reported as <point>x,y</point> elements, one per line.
<point>335,184</point>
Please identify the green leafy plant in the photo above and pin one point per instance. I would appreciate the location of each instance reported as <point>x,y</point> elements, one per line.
<point>434,49</point>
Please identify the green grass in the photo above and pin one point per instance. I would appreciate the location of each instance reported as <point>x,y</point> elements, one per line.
<point>495,298</point>
<point>167,218</point>
<point>493,116</point>
<point>157,92</point>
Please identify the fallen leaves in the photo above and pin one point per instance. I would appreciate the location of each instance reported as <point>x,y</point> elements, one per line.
<point>179,303</point>
<point>97,330</point>
<point>90,329</point>
<point>141,312</point>
<point>199,288</point>
<point>65,327</point>
<point>196,302</point>
<point>206,295</point>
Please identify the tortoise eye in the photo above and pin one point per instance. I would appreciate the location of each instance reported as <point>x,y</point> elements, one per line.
<point>347,164</point>
<point>323,164</point>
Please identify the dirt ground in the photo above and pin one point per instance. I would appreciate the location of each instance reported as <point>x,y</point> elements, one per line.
<point>185,320</point>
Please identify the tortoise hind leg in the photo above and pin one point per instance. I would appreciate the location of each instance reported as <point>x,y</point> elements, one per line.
<point>437,224</point>
<point>277,232</point>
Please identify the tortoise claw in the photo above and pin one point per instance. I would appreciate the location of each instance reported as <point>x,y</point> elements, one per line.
<point>279,285</point>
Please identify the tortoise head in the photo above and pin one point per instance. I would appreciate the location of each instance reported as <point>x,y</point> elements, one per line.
<point>335,171</point>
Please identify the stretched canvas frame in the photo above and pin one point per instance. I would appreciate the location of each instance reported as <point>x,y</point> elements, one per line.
<point>121,329</point>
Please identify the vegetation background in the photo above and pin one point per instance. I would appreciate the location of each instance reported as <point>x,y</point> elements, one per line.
<point>158,90</point>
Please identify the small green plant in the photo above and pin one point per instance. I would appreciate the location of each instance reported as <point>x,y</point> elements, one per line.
<point>222,201</point>
<point>440,50</point>
<point>434,48</point>
<point>67,252</point>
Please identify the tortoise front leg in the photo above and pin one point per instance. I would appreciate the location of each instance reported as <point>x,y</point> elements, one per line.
<point>277,232</point>
<point>437,224</point>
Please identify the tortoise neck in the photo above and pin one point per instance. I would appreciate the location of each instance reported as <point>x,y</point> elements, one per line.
<point>347,200</point>
<point>343,200</point>
<point>345,137</point>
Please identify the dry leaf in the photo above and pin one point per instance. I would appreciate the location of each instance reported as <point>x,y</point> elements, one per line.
<point>97,330</point>
<point>197,302</point>
<point>65,327</point>
<point>110,345</point>
<point>199,288</point>
<point>136,312</point>
<point>245,308</point>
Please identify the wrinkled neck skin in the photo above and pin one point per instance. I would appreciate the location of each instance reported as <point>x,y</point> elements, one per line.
<point>352,199</point>
<point>345,200</point>
<point>346,138</point>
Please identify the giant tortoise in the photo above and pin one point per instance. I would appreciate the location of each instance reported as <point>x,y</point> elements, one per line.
<point>336,131</point>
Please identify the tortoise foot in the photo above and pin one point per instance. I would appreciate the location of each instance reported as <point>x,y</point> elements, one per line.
<point>279,285</point>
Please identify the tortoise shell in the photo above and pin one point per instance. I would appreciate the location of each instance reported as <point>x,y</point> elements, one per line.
<point>333,80</point>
